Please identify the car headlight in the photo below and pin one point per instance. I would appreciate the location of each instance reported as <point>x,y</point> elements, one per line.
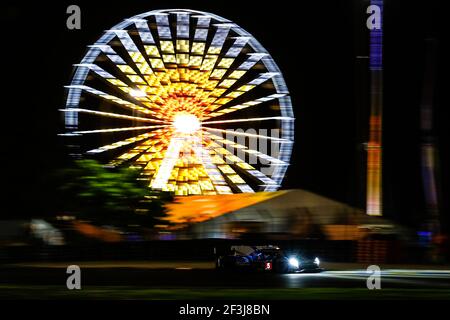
<point>317,261</point>
<point>293,262</point>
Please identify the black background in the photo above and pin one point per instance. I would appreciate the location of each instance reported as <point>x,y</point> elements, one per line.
<point>315,44</point>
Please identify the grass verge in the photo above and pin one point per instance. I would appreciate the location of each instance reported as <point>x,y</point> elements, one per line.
<point>123,292</point>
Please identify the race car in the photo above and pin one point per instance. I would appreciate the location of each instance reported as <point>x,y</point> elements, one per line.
<point>267,258</point>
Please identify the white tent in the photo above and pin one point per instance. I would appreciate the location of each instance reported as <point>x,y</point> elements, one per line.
<point>297,212</point>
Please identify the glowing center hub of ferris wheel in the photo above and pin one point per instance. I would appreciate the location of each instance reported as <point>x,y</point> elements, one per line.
<point>186,123</point>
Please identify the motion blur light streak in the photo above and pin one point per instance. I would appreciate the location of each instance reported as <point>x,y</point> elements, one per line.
<point>182,68</point>
<point>374,147</point>
<point>429,151</point>
<point>114,115</point>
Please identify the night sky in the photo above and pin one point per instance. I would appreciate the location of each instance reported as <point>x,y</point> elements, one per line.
<point>315,45</point>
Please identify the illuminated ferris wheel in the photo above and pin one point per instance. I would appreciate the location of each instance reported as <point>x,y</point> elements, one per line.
<point>189,98</point>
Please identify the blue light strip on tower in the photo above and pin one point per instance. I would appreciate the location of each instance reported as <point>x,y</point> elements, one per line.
<point>376,41</point>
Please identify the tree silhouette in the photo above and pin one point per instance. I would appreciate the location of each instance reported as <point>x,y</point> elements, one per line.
<point>94,192</point>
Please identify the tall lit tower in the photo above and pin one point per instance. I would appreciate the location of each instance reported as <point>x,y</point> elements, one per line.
<point>429,152</point>
<point>374,146</point>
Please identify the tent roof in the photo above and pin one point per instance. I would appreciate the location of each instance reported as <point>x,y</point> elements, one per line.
<point>276,204</point>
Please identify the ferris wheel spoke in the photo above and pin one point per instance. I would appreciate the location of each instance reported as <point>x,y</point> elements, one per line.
<point>134,53</point>
<point>202,76</point>
<point>147,83</point>
<point>222,174</point>
<point>248,120</point>
<point>159,81</point>
<point>143,30</point>
<point>145,151</point>
<point>112,98</point>
<point>221,177</point>
<point>219,71</point>
<point>163,59</point>
<point>252,152</point>
<point>263,77</point>
<point>136,153</point>
<point>150,74</point>
<point>248,104</point>
<point>117,129</point>
<point>151,49</point>
<point>119,84</point>
<point>233,77</point>
<point>250,135</point>
<point>243,166</point>
<point>121,143</point>
<point>153,150</point>
<point>125,70</point>
<point>197,52</point>
<point>237,46</point>
<point>168,62</point>
<point>182,47</point>
<point>177,59</point>
<point>113,115</point>
<point>153,75</point>
<point>197,55</point>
